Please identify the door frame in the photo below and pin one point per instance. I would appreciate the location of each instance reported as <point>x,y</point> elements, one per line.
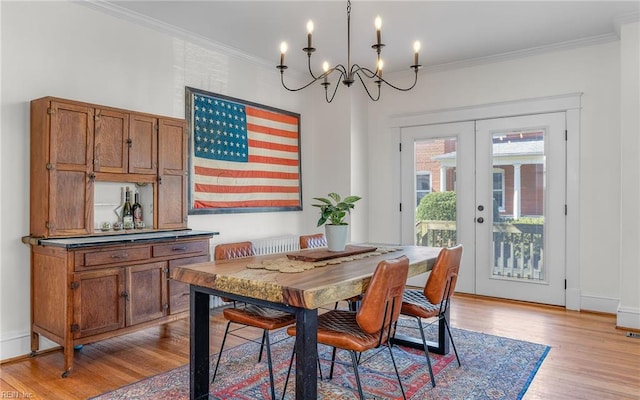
<point>570,104</point>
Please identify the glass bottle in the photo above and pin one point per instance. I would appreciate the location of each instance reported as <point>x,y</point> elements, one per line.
<point>137,211</point>
<point>127,212</point>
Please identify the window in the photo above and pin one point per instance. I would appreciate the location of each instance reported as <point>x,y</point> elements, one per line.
<point>423,185</point>
<point>498,188</point>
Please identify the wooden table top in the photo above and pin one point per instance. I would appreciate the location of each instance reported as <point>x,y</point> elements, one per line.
<point>314,287</point>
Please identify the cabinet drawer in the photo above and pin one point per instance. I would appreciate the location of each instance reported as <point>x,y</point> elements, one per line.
<point>179,291</point>
<point>116,256</point>
<point>177,248</point>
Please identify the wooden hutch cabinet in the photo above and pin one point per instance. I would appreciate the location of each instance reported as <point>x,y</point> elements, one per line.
<point>88,285</point>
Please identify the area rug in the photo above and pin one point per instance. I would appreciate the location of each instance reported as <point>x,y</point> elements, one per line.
<point>492,368</point>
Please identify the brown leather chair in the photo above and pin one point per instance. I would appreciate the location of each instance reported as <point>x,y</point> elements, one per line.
<point>313,241</point>
<point>252,315</point>
<point>227,251</point>
<point>373,324</point>
<point>433,301</point>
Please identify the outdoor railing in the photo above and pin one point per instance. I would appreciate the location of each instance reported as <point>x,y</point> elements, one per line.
<point>517,248</point>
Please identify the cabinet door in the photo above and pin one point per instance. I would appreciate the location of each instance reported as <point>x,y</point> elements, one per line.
<point>147,289</point>
<point>70,165</point>
<point>179,291</point>
<point>98,302</point>
<point>143,149</point>
<point>111,141</point>
<point>172,174</point>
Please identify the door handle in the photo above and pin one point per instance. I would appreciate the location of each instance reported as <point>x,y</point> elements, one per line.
<point>479,220</point>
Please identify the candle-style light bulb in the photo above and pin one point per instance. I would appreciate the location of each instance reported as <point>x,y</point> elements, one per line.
<point>309,32</point>
<point>380,65</point>
<point>416,50</point>
<point>283,50</point>
<point>325,68</point>
<point>378,24</point>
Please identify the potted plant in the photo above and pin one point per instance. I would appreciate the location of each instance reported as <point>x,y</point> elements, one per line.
<point>333,211</point>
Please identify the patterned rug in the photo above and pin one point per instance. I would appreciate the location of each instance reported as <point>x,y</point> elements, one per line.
<point>492,368</point>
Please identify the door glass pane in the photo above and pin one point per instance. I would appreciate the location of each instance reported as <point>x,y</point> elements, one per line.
<point>518,205</point>
<point>435,182</point>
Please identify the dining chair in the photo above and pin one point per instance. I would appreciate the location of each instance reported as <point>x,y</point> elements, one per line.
<point>433,301</point>
<point>264,318</point>
<point>372,326</point>
<point>319,240</point>
<point>313,241</point>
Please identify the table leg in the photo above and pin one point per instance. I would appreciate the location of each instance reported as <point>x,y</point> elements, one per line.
<point>306,354</point>
<point>199,345</point>
<point>439,347</point>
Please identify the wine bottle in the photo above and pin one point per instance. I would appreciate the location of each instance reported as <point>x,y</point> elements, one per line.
<point>127,212</point>
<point>137,211</point>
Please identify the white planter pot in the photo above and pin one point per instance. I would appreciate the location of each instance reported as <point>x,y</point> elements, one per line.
<point>336,236</point>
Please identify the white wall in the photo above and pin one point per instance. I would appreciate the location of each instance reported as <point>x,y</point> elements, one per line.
<point>593,70</point>
<point>72,51</point>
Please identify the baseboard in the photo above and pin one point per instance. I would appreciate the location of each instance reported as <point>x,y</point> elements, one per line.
<point>599,304</point>
<point>628,317</point>
<point>18,344</point>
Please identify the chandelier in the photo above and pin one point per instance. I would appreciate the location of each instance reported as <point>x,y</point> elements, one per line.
<point>348,74</point>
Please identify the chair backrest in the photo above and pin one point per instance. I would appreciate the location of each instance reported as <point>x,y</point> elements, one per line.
<point>444,275</point>
<point>313,241</point>
<point>382,300</point>
<point>227,251</point>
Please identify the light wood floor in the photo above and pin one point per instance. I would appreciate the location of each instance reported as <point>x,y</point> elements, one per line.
<point>589,358</point>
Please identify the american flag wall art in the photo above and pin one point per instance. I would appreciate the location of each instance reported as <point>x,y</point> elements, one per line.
<point>244,157</point>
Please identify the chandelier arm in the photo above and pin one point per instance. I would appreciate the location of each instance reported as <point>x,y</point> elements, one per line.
<point>297,89</point>
<point>370,74</point>
<point>367,72</point>
<point>415,80</point>
<point>366,89</point>
<point>335,90</point>
<point>311,72</point>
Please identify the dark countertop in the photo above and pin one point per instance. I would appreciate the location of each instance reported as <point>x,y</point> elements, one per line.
<point>105,240</point>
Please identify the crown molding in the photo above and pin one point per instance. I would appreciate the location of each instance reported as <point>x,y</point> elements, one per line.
<point>532,51</point>
<point>163,27</point>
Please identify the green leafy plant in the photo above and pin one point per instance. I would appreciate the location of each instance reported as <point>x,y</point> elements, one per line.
<point>334,209</point>
<point>438,206</point>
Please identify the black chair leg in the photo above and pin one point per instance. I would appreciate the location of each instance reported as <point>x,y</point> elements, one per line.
<point>273,391</point>
<point>446,323</point>
<point>224,338</point>
<point>264,334</point>
<point>389,346</point>
<point>333,361</point>
<point>286,382</point>
<point>354,361</point>
<point>426,351</point>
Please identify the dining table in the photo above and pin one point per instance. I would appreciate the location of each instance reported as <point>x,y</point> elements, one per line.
<point>301,282</point>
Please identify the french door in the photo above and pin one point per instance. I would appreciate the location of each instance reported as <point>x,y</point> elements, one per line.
<point>496,186</point>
